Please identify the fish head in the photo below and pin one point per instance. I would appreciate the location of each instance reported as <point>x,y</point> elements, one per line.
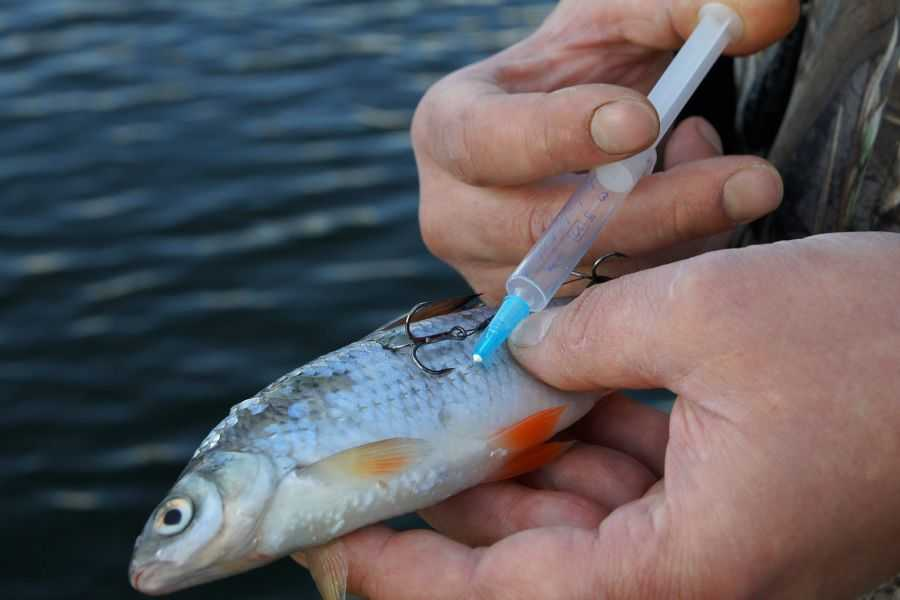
<point>205,528</point>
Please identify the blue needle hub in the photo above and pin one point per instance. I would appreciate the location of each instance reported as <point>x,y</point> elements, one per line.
<point>512,312</point>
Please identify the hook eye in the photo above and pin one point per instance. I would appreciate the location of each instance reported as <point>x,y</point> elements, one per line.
<point>594,277</point>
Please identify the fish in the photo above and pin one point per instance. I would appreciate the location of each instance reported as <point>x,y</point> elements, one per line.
<point>357,436</point>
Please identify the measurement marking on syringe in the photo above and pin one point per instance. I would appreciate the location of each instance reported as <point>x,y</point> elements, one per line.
<point>580,228</point>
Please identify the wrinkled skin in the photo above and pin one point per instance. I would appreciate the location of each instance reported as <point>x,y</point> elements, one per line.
<point>774,477</point>
<point>495,141</point>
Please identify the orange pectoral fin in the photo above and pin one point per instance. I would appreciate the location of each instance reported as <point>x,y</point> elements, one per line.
<point>378,459</point>
<point>530,431</point>
<point>529,460</point>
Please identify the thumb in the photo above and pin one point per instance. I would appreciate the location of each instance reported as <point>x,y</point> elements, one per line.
<point>665,24</point>
<point>483,135</point>
<point>764,21</point>
<point>623,333</point>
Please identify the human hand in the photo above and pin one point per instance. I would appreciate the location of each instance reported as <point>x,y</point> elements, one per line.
<point>494,141</point>
<point>779,459</point>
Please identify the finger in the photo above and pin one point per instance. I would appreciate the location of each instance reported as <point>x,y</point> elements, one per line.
<point>379,559</point>
<point>487,280</point>
<point>624,557</point>
<point>626,425</point>
<point>482,135</point>
<point>665,24</point>
<point>691,201</point>
<point>693,139</point>
<point>579,489</point>
<point>643,330</point>
<point>764,21</point>
<point>411,565</point>
<point>484,514</point>
<point>608,477</point>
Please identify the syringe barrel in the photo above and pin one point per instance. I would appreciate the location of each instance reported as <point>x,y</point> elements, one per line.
<point>717,27</point>
<point>572,233</point>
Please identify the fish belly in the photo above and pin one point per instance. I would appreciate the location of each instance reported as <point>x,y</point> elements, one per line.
<point>461,454</point>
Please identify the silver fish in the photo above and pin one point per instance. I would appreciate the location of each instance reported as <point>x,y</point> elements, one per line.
<point>357,436</point>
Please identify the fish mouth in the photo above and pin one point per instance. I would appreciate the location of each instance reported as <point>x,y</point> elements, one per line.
<point>155,578</point>
<point>147,578</point>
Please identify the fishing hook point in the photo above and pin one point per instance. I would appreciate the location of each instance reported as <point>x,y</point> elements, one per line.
<point>457,333</point>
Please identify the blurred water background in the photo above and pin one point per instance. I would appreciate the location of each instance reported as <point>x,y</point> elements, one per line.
<point>195,197</point>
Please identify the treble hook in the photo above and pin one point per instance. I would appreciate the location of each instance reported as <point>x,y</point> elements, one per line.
<point>457,333</point>
<point>594,277</point>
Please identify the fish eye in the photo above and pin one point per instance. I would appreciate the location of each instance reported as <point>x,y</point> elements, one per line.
<point>173,516</point>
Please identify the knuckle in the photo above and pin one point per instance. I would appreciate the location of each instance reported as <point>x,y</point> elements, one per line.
<point>481,589</point>
<point>482,583</point>
<point>537,220</point>
<point>681,224</point>
<point>418,129</point>
<point>578,327</point>
<point>435,234</point>
<point>548,142</point>
<point>422,122</point>
<point>651,585</point>
<point>692,279</point>
<point>445,130</point>
<point>689,215</point>
<point>705,289</point>
<point>461,147</point>
<point>563,134</point>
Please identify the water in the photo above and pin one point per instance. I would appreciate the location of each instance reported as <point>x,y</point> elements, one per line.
<point>195,197</point>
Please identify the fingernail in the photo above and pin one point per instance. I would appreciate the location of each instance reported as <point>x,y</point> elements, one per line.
<point>624,126</point>
<point>751,193</point>
<point>532,330</point>
<point>709,133</point>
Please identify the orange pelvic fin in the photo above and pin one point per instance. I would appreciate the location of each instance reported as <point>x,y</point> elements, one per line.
<point>378,459</point>
<point>529,460</point>
<point>530,431</point>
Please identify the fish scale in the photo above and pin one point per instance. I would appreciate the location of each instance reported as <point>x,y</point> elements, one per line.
<point>354,437</point>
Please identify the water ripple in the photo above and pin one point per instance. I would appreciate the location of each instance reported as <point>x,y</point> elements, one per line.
<point>366,270</point>
<point>128,284</point>
<point>197,197</point>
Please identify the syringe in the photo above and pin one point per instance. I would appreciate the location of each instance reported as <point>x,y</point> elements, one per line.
<point>572,233</point>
